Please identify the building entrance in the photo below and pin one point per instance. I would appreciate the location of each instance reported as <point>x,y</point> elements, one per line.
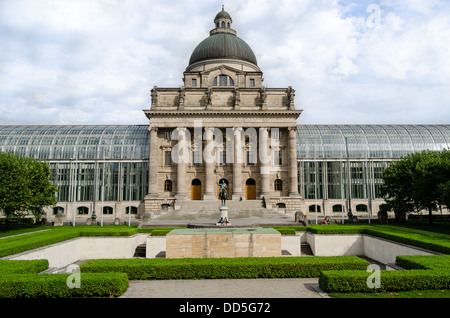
<point>250,189</point>
<point>196,190</point>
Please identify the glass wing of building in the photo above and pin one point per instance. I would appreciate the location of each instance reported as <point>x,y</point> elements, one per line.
<point>325,175</point>
<point>114,159</point>
<point>369,141</point>
<point>111,159</point>
<point>76,142</point>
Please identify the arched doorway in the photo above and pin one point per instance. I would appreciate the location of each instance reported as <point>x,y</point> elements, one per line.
<point>196,190</point>
<point>250,189</point>
<point>228,188</point>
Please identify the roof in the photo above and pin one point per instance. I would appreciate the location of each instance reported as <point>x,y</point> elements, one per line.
<point>133,142</point>
<point>369,141</point>
<point>223,46</point>
<point>81,142</point>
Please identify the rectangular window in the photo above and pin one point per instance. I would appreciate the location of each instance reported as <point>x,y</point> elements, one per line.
<point>252,82</point>
<point>277,158</point>
<point>168,158</point>
<point>197,158</point>
<point>223,80</point>
<point>194,82</point>
<point>167,135</point>
<point>223,158</point>
<point>251,158</point>
<point>277,134</point>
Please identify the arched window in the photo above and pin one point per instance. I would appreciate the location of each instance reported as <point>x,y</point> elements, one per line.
<point>168,186</point>
<point>278,185</point>
<point>223,80</point>
<point>58,210</point>
<point>361,208</point>
<point>223,25</point>
<point>82,210</point>
<point>312,208</point>
<point>134,210</point>
<point>108,210</point>
<point>337,208</point>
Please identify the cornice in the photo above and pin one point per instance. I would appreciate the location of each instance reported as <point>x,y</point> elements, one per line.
<point>224,113</point>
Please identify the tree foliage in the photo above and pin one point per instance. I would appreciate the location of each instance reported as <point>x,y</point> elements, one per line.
<point>418,181</point>
<point>25,186</point>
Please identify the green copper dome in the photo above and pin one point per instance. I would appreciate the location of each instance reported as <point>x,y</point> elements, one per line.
<point>222,15</point>
<point>223,43</point>
<point>223,46</point>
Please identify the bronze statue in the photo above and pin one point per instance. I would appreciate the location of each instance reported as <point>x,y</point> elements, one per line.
<point>223,195</point>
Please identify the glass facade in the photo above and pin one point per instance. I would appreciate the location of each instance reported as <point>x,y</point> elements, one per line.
<point>325,173</point>
<point>88,163</point>
<point>110,163</point>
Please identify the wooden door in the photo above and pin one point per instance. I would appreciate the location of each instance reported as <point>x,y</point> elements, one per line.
<point>196,193</point>
<point>250,192</point>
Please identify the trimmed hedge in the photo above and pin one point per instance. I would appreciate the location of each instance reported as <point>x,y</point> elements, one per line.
<point>224,268</point>
<point>55,286</point>
<point>20,279</point>
<point>24,243</point>
<point>424,262</point>
<point>23,267</point>
<point>356,281</point>
<point>424,272</point>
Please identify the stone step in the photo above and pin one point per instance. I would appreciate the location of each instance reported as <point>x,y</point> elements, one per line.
<point>191,215</point>
<point>215,204</point>
<point>305,249</point>
<point>141,251</point>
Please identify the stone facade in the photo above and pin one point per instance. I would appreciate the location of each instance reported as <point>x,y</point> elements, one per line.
<point>223,124</point>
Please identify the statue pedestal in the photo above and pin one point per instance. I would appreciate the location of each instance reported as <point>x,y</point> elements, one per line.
<point>223,221</point>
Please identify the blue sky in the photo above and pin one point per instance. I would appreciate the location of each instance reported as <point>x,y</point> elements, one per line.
<point>351,62</point>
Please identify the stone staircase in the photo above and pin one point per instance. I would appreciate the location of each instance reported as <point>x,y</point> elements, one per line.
<point>192,211</point>
<point>305,249</point>
<point>141,251</point>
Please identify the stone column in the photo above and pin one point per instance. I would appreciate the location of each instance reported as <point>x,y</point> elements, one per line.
<point>153,163</point>
<point>209,160</point>
<point>237,164</point>
<point>293,170</point>
<point>180,158</point>
<point>264,160</point>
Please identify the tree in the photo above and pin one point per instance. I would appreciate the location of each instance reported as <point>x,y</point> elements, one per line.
<point>444,193</point>
<point>417,182</point>
<point>25,186</point>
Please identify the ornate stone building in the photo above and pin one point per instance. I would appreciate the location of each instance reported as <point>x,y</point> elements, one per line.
<point>223,125</point>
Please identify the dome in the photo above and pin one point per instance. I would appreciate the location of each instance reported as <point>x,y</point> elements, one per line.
<point>223,43</point>
<point>223,46</point>
<point>222,15</point>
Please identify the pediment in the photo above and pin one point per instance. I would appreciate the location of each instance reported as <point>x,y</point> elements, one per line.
<point>223,68</point>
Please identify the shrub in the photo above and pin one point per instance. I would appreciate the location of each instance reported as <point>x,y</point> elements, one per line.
<point>356,281</point>
<point>225,268</point>
<point>424,262</point>
<point>55,286</point>
<point>160,232</point>
<point>286,231</point>
<point>23,267</point>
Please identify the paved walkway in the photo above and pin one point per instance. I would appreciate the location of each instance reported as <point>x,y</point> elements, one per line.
<point>230,288</point>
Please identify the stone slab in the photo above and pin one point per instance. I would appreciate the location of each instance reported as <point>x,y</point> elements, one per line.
<point>226,243</point>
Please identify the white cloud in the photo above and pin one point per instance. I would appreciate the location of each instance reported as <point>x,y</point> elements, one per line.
<point>95,61</point>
